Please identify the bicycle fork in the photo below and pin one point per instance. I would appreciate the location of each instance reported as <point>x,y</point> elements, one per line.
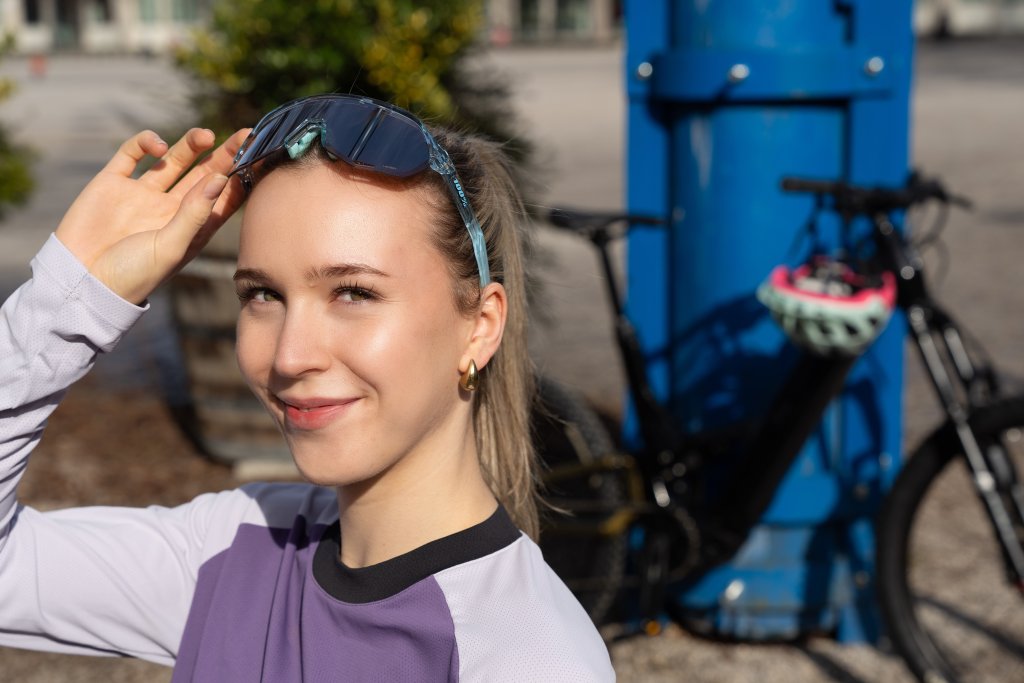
<point>992,471</point>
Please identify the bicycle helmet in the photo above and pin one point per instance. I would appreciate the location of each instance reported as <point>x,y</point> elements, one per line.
<point>828,308</point>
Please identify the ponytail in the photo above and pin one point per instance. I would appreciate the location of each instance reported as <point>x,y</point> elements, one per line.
<point>501,410</point>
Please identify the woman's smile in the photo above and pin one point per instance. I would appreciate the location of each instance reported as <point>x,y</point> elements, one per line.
<point>313,413</point>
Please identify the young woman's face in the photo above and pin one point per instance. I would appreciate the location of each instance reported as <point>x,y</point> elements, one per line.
<point>348,331</point>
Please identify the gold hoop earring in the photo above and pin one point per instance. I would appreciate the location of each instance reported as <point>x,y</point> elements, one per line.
<point>470,379</point>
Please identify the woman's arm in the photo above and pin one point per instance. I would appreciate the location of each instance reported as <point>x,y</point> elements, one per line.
<point>51,329</point>
<point>120,239</point>
<point>63,574</point>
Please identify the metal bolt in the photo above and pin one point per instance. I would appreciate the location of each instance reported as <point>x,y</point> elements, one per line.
<point>907,272</point>
<point>644,71</point>
<point>661,494</point>
<point>733,591</point>
<point>874,66</point>
<point>738,73</point>
<point>862,579</point>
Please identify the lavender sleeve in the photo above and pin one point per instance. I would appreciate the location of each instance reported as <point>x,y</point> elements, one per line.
<point>51,329</point>
<point>86,580</point>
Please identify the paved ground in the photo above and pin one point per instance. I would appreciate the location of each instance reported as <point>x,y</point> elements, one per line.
<point>968,103</point>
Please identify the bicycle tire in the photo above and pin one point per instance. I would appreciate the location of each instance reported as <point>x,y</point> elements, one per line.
<point>567,433</point>
<point>949,608</point>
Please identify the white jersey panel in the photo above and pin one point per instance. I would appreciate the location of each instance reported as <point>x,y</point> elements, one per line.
<point>516,621</point>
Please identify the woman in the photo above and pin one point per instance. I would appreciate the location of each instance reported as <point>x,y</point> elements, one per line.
<point>382,326</point>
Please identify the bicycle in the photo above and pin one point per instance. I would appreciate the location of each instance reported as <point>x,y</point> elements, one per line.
<point>599,495</point>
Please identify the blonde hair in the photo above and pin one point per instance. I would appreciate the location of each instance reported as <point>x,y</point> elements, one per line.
<point>501,409</point>
<point>501,403</point>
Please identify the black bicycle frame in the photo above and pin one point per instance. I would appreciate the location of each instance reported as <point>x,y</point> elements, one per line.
<point>801,402</point>
<point>814,382</point>
<point>791,419</point>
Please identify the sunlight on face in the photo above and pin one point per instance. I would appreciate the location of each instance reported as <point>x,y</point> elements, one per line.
<point>348,331</point>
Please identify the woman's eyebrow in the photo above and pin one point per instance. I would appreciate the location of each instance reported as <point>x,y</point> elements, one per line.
<point>253,274</point>
<point>342,270</point>
<point>313,274</point>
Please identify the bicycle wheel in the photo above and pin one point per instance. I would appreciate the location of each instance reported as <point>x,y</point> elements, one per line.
<point>950,609</point>
<point>572,445</point>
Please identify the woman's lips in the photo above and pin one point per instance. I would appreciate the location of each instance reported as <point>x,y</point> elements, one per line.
<point>312,415</point>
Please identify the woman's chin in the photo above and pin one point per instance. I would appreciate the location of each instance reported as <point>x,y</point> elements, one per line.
<point>330,470</point>
<point>322,474</point>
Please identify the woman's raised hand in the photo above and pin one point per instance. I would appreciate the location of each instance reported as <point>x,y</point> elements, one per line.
<point>132,234</point>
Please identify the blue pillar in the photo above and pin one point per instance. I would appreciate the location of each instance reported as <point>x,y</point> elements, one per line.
<point>726,98</point>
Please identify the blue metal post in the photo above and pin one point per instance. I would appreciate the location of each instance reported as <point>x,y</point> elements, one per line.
<point>724,100</point>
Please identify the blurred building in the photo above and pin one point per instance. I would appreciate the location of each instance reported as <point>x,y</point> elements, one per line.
<point>515,21</point>
<point>156,25</point>
<point>100,25</point>
<point>41,26</point>
<point>952,18</point>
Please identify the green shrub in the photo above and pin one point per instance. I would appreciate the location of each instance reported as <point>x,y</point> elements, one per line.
<point>256,54</point>
<point>15,176</point>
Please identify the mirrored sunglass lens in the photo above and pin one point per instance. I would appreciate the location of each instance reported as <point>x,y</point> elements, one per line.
<point>257,144</point>
<point>346,121</point>
<point>394,146</point>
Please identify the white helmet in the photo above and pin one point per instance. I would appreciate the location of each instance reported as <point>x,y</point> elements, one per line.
<point>827,308</point>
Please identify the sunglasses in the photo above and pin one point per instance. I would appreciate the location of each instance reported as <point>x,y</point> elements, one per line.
<point>366,134</point>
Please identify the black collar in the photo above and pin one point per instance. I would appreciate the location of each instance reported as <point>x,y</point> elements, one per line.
<point>379,581</point>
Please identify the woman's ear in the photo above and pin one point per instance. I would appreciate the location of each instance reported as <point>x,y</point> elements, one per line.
<point>488,327</point>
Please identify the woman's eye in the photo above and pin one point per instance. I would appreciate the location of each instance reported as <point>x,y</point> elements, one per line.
<point>258,294</point>
<point>354,294</point>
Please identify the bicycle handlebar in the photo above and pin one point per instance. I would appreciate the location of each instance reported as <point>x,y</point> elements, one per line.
<point>594,224</point>
<point>850,200</point>
<point>857,200</point>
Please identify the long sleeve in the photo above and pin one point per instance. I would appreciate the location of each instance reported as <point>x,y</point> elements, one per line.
<point>88,580</point>
<point>51,329</point>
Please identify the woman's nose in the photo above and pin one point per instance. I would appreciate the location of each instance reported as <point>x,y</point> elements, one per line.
<point>301,345</point>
